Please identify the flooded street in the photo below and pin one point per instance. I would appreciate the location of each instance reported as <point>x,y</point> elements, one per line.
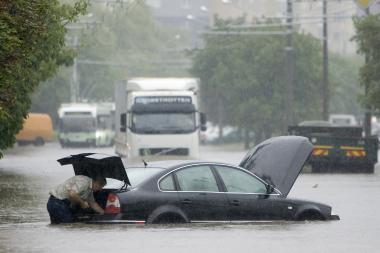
<point>27,174</point>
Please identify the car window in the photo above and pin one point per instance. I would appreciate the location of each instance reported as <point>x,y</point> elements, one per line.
<point>198,178</point>
<point>237,180</point>
<point>167,184</point>
<point>138,175</point>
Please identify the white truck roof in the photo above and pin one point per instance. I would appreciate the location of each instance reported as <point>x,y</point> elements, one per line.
<point>76,107</point>
<point>343,119</point>
<point>164,84</point>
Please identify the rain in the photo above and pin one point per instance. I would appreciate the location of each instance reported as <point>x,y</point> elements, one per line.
<point>206,80</point>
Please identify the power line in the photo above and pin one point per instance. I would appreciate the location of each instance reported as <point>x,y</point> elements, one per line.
<point>245,33</point>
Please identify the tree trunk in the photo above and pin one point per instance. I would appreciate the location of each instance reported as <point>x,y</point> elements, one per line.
<point>246,138</point>
<point>220,119</point>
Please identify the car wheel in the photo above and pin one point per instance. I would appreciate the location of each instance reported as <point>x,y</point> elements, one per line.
<point>310,215</point>
<point>39,141</point>
<point>22,143</point>
<point>368,168</point>
<point>169,218</point>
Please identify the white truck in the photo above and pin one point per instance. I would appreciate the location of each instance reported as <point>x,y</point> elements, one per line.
<point>158,117</point>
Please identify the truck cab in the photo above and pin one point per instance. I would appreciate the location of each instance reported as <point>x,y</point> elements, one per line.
<point>158,117</point>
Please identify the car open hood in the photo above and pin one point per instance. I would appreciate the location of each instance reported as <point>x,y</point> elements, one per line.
<point>93,165</point>
<point>279,160</point>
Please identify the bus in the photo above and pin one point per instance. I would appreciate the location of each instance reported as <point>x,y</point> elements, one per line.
<point>77,124</point>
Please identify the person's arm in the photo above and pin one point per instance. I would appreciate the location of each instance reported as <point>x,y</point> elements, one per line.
<point>95,206</point>
<point>76,199</point>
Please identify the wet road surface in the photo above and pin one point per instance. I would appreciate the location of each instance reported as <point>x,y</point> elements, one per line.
<point>27,174</point>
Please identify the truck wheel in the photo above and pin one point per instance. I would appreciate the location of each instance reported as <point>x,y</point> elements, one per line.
<point>368,168</point>
<point>318,167</point>
<point>39,141</point>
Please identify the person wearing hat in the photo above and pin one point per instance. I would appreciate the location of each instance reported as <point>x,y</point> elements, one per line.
<point>75,191</point>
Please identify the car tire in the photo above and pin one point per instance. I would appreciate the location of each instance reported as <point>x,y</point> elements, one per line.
<point>22,143</point>
<point>39,141</point>
<point>168,218</point>
<point>310,215</point>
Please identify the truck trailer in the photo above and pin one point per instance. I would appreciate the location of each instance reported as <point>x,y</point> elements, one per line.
<point>339,148</point>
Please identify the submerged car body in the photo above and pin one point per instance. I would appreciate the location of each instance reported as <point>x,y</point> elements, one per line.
<point>197,191</point>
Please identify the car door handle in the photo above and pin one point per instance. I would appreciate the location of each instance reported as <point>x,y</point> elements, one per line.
<point>186,201</point>
<point>235,203</point>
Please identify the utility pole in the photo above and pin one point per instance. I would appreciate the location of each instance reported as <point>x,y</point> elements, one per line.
<point>325,87</point>
<point>367,114</point>
<point>74,89</point>
<point>289,110</point>
<point>74,84</point>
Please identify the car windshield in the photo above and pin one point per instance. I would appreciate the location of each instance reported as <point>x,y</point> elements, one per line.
<point>77,124</point>
<point>163,123</point>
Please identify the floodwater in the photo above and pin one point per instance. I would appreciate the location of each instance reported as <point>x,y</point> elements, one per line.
<point>27,174</point>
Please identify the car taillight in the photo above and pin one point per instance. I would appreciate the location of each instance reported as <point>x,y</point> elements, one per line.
<point>113,204</point>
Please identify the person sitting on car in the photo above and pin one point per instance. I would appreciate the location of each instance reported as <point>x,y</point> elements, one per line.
<point>75,191</point>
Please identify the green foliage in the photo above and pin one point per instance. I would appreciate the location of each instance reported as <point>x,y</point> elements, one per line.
<point>51,93</point>
<point>368,39</point>
<point>244,80</point>
<point>248,74</point>
<point>31,49</point>
<point>130,44</point>
<point>121,41</point>
<point>344,80</point>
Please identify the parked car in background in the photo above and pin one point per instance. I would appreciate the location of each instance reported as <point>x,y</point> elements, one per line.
<point>196,191</point>
<point>231,134</point>
<point>37,130</point>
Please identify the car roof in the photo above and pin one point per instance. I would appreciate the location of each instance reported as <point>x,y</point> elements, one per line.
<point>166,164</point>
<point>315,123</point>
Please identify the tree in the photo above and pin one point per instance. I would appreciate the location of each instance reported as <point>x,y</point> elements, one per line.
<point>124,41</point>
<point>247,73</point>
<point>32,47</point>
<point>345,89</point>
<point>135,46</point>
<point>368,39</point>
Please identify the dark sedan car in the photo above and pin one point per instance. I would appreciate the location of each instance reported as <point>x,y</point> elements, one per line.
<point>196,191</point>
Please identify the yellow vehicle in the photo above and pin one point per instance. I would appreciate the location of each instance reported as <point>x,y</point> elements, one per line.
<point>37,129</point>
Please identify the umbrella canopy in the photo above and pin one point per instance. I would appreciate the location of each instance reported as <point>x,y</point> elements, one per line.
<point>94,165</point>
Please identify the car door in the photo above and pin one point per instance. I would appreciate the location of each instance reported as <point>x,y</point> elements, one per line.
<point>200,195</point>
<point>247,195</point>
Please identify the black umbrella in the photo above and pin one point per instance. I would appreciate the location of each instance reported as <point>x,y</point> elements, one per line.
<point>94,165</point>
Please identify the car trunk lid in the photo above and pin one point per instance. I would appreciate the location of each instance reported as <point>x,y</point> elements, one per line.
<point>95,164</point>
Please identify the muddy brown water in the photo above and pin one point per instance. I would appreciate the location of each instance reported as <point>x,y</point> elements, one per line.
<point>27,174</point>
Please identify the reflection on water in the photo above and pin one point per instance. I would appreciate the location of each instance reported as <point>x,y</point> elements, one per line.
<point>26,177</point>
<point>20,198</point>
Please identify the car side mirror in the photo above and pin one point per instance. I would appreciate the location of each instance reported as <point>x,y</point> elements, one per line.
<point>203,120</point>
<point>123,122</point>
<point>270,188</point>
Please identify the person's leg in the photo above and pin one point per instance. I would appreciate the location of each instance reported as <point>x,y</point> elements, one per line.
<point>59,211</point>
